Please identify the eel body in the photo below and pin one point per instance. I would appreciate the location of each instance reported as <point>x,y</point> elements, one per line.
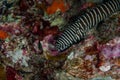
<point>77,30</point>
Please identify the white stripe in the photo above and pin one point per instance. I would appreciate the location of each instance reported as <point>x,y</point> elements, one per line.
<point>73,30</point>
<point>104,14</point>
<point>89,20</point>
<point>96,16</point>
<point>61,42</point>
<point>106,8</point>
<point>86,20</point>
<point>68,38</point>
<point>76,31</point>
<point>112,6</point>
<point>83,22</point>
<point>64,39</point>
<point>118,3</point>
<point>71,37</point>
<point>93,22</point>
<point>78,19</point>
<point>99,14</point>
<point>77,25</point>
<point>83,33</point>
<point>57,46</point>
<point>80,26</point>
<point>78,37</point>
<point>80,33</point>
<point>115,5</point>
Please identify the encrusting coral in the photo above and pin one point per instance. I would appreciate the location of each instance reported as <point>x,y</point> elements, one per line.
<point>57,5</point>
<point>3,34</point>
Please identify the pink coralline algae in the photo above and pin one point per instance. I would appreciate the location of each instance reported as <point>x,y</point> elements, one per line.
<point>87,5</point>
<point>48,45</point>
<point>12,28</point>
<point>111,49</point>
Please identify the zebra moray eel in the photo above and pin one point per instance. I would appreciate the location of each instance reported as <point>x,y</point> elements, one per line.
<point>76,31</point>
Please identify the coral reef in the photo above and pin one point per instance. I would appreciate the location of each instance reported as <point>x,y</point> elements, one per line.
<point>28,30</point>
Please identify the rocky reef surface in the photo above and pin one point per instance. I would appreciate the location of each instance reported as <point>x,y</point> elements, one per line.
<point>25,29</point>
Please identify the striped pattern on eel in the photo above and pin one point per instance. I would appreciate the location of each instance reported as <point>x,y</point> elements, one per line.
<point>76,31</point>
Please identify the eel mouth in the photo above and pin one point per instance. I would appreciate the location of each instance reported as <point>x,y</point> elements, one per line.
<point>49,45</point>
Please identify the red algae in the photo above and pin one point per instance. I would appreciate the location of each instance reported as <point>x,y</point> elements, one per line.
<point>46,30</point>
<point>11,72</point>
<point>57,4</point>
<point>3,35</point>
